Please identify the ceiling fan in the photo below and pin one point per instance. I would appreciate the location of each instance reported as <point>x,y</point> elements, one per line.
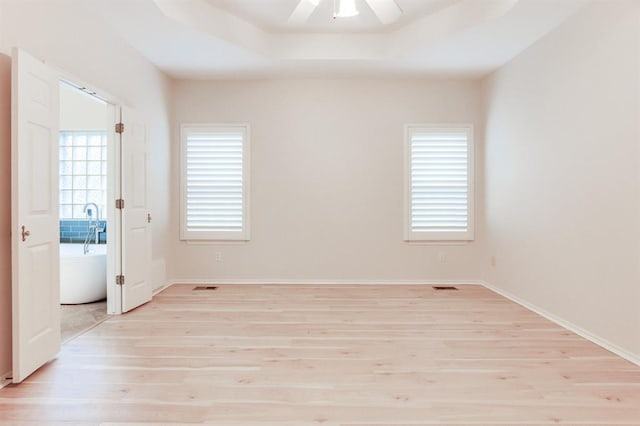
<point>387,11</point>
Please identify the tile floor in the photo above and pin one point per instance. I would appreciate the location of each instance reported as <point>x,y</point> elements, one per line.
<point>75,319</point>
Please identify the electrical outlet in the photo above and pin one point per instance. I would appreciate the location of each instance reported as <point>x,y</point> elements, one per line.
<point>493,261</point>
<point>442,257</point>
<point>218,256</point>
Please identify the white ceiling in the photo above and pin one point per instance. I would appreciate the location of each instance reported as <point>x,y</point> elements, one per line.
<point>273,15</point>
<point>252,38</point>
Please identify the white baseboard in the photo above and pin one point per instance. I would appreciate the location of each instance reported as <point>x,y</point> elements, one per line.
<point>161,288</point>
<point>158,274</point>
<point>325,282</point>
<point>4,380</point>
<point>604,343</point>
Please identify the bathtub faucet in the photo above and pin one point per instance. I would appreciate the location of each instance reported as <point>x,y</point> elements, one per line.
<point>88,211</point>
<point>92,225</point>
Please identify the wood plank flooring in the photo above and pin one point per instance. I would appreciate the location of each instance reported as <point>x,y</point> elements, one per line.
<point>330,355</point>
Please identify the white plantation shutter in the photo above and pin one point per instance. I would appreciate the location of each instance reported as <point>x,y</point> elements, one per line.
<point>439,193</point>
<point>214,182</point>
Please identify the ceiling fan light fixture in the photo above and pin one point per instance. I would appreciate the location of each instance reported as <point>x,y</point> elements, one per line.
<point>387,11</point>
<point>347,9</point>
<point>303,11</point>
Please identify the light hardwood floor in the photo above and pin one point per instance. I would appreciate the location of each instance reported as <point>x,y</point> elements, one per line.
<point>331,355</point>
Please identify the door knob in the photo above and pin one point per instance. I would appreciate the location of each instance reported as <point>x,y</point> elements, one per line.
<point>25,233</point>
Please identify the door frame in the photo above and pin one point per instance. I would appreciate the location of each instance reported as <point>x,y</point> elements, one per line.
<point>114,185</point>
<point>115,162</point>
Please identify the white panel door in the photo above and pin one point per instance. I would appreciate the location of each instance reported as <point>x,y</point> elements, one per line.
<point>136,217</point>
<point>35,227</point>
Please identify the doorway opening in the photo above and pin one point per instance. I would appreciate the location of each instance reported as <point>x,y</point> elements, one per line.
<point>84,171</point>
<point>35,212</point>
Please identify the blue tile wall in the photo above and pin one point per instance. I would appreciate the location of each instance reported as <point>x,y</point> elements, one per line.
<point>75,231</point>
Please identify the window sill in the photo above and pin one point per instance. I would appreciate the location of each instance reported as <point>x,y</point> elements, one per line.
<point>438,243</point>
<point>215,242</point>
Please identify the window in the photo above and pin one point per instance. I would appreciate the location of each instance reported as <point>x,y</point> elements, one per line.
<point>439,183</point>
<point>83,172</point>
<point>215,182</point>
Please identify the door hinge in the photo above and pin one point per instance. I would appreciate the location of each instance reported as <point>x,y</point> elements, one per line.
<point>119,127</point>
<point>119,204</point>
<point>120,279</point>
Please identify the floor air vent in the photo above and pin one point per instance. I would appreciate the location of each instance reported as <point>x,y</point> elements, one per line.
<point>444,287</point>
<point>205,287</point>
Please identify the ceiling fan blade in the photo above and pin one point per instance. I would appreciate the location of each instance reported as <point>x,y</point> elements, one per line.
<point>303,11</point>
<point>387,11</point>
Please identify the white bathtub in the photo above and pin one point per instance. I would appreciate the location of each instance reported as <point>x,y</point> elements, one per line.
<point>83,277</point>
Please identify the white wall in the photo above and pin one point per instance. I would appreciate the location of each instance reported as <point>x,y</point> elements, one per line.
<point>70,36</point>
<point>80,111</point>
<point>326,179</point>
<point>563,174</point>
